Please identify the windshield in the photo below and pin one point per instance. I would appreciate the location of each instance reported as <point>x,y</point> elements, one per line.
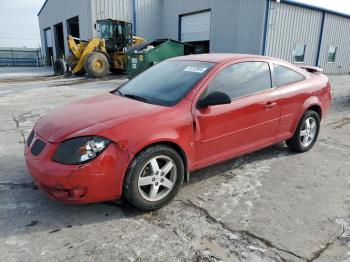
<point>105,30</point>
<point>166,83</point>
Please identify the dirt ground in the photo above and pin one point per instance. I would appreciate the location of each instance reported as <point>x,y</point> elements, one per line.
<point>271,205</point>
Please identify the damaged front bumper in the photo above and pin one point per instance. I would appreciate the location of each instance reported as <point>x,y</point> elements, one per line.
<point>96,181</point>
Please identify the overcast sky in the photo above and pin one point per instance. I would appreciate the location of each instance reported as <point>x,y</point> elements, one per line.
<point>19,23</point>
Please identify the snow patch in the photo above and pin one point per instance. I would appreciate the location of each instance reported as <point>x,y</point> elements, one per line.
<point>15,241</point>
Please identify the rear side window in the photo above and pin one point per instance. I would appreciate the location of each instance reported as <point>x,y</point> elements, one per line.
<point>285,76</point>
<point>242,79</point>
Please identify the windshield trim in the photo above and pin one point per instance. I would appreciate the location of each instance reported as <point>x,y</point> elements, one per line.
<point>151,100</point>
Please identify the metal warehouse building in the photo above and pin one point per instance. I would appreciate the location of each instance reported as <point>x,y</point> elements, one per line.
<point>296,32</point>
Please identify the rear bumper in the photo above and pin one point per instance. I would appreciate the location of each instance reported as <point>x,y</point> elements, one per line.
<point>96,181</point>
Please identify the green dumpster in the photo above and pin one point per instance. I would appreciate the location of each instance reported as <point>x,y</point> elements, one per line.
<point>141,57</point>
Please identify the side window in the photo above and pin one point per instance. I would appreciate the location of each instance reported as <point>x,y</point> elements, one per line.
<point>242,79</point>
<point>285,76</point>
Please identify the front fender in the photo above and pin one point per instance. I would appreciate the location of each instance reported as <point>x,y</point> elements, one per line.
<point>169,125</point>
<point>182,139</point>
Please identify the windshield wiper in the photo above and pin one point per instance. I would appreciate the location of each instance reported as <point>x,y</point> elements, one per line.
<point>136,97</point>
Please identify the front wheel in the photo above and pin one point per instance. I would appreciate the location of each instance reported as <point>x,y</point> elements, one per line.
<point>154,178</point>
<point>96,64</point>
<point>306,133</point>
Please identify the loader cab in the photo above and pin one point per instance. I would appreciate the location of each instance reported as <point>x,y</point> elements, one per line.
<point>116,33</point>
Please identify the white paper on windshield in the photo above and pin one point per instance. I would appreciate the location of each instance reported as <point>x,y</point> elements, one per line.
<point>195,69</point>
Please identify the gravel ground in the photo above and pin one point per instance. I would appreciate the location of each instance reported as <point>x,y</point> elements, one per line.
<point>271,205</point>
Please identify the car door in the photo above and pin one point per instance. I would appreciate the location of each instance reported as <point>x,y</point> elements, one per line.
<point>291,86</point>
<point>249,122</point>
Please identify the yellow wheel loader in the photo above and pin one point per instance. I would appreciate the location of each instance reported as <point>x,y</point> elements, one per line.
<point>98,56</point>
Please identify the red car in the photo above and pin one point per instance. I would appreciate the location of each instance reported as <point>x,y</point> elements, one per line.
<point>141,140</point>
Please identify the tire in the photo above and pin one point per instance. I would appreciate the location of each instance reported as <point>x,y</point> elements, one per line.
<point>143,176</point>
<point>96,64</point>
<point>60,67</point>
<point>300,142</point>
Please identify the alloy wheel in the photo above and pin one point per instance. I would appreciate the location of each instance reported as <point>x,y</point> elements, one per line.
<point>157,178</point>
<point>308,131</point>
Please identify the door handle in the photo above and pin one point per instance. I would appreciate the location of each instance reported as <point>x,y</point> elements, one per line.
<point>270,105</point>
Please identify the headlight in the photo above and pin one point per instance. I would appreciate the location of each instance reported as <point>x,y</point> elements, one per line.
<point>80,150</point>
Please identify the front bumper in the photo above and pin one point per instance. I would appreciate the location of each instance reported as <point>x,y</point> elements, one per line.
<point>96,181</point>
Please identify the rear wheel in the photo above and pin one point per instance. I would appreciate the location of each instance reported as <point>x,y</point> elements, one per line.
<point>306,133</point>
<point>60,67</point>
<point>154,178</point>
<point>96,64</point>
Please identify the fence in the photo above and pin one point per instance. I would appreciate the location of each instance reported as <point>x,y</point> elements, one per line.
<point>11,57</point>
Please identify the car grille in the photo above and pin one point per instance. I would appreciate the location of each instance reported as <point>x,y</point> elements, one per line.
<point>37,147</point>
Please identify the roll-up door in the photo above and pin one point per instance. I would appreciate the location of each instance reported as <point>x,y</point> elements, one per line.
<point>195,27</point>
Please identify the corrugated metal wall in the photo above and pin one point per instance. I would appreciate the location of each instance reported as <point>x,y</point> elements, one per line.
<point>56,11</point>
<point>59,11</point>
<point>336,33</point>
<point>236,25</point>
<point>149,19</point>
<point>104,9</point>
<point>290,25</point>
<point>232,30</point>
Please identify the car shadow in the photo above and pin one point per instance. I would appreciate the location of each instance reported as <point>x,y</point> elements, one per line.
<point>275,151</point>
<point>26,210</point>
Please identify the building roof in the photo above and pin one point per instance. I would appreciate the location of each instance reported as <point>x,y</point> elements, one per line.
<point>292,2</point>
<point>313,7</point>
<point>42,7</point>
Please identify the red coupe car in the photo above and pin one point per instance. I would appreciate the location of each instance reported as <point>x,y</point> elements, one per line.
<point>141,140</point>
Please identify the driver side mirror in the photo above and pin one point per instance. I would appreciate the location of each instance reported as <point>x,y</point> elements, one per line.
<point>214,98</point>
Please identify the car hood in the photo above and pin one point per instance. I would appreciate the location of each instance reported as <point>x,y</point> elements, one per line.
<point>89,116</point>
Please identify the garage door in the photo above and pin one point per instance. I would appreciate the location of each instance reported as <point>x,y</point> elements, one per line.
<point>195,27</point>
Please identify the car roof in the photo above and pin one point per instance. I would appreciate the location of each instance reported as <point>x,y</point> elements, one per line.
<point>228,57</point>
<point>218,57</point>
